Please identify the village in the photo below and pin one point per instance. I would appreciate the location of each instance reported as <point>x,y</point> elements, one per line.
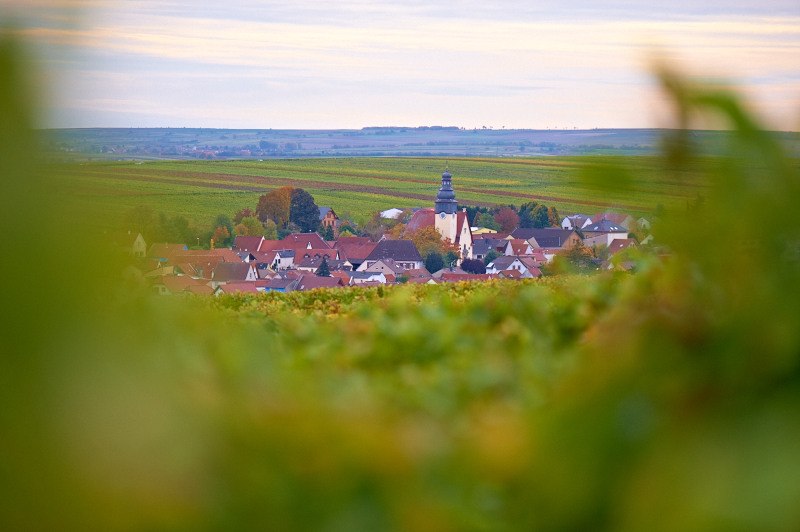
<point>307,261</point>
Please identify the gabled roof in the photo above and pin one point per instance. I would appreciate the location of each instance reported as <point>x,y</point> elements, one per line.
<point>231,271</point>
<point>518,246</point>
<point>399,250</point>
<point>578,220</point>
<point>351,240</point>
<point>355,251</point>
<point>240,287</point>
<point>604,226</point>
<point>615,218</point>
<point>311,282</point>
<point>323,212</point>
<point>247,243</point>
<point>390,264</point>
<point>503,262</point>
<point>548,237</point>
<point>305,239</point>
<point>618,244</point>
<point>166,250</point>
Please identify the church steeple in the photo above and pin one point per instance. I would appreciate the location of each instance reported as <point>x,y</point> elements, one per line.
<point>446,198</point>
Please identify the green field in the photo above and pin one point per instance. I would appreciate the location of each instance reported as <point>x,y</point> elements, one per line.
<point>199,190</point>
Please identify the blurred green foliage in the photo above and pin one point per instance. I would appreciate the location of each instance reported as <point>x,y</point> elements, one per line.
<point>668,399</point>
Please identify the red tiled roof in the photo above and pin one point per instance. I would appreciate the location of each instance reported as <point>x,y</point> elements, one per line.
<point>311,282</point>
<point>421,218</point>
<point>304,239</point>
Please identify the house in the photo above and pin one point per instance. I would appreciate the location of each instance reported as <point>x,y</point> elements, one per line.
<point>616,218</point>
<point>227,272</point>
<point>385,266</point>
<point>138,248</point>
<point>548,237</point>
<point>603,233</point>
<point>506,263</point>
<point>575,221</point>
<point>403,252</point>
<point>643,224</point>
<point>517,247</point>
<point>360,278</point>
<point>354,250</point>
<point>482,246</point>
<point>328,218</point>
<point>164,252</point>
<point>618,244</point>
<point>179,284</point>
<point>312,264</point>
<point>310,281</point>
<point>419,276</point>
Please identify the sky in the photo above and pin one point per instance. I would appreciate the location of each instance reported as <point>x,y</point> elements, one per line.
<point>302,64</point>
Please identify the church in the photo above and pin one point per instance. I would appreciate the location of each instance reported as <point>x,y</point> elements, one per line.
<point>451,223</point>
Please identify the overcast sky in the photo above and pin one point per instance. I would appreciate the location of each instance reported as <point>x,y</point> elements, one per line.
<point>356,63</point>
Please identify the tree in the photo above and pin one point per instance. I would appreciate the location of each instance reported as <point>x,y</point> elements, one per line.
<point>427,240</point>
<point>242,214</point>
<point>434,262</point>
<point>328,233</point>
<point>396,232</point>
<point>552,217</point>
<point>540,216</point>
<point>490,257</point>
<point>450,257</point>
<point>223,220</point>
<point>473,266</point>
<point>270,230</point>
<point>526,214</point>
<point>249,226</point>
<point>484,219</point>
<point>507,219</point>
<point>221,236</point>
<point>275,205</point>
<point>303,211</point>
<point>347,230</point>
<point>323,270</point>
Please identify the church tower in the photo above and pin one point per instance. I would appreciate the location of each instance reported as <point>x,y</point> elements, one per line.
<point>446,209</point>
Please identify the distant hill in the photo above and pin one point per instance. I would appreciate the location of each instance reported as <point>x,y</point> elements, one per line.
<point>438,141</point>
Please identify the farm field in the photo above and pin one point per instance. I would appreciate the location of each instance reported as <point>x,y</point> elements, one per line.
<point>200,190</point>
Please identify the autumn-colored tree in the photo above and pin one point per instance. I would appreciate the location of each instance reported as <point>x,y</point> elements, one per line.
<point>242,214</point>
<point>552,217</point>
<point>221,236</point>
<point>428,240</point>
<point>507,218</point>
<point>249,226</point>
<point>396,232</point>
<point>275,205</point>
<point>541,217</point>
<point>270,230</point>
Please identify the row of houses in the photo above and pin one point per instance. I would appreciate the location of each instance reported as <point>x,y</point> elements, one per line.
<point>256,264</point>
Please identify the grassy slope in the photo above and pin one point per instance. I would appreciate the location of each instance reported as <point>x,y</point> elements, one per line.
<point>199,190</point>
